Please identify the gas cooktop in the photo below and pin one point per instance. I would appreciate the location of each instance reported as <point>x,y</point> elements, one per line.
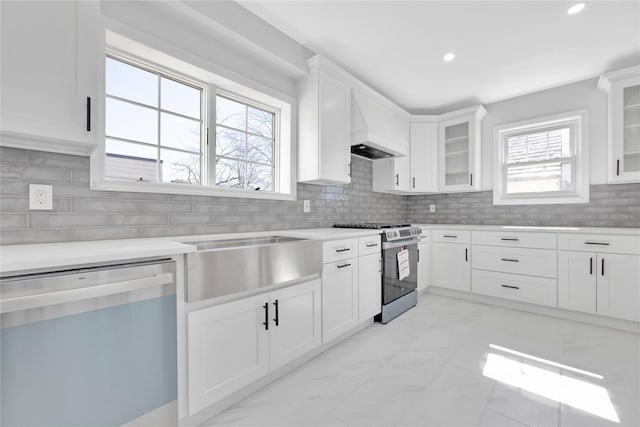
<point>372,225</point>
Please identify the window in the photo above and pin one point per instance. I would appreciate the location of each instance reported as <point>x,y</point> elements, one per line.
<point>154,125</point>
<point>542,161</point>
<point>185,130</point>
<point>245,144</point>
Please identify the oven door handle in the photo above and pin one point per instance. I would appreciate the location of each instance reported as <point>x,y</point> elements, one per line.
<point>391,245</point>
<point>50,298</point>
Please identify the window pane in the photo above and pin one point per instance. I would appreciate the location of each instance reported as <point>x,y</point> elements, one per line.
<point>130,161</point>
<point>178,132</point>
<point>260,150</point>
<point>124,120</point>
<point>538,146</point>
<point>179,167</point>
<point>230,173</point>
<point>129,82</point>
<point>539,178</point>
<point>260,122</point>
<point>259,177</point>
<point>180,98</point>
<point>231,113</point>
<point>230,143</point>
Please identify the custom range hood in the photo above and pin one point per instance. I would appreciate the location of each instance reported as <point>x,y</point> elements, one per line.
<point>379,129</point>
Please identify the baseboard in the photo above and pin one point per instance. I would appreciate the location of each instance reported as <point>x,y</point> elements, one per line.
<point>591,319</point>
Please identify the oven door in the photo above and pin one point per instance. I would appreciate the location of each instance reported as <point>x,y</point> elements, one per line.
<point>392,287</point>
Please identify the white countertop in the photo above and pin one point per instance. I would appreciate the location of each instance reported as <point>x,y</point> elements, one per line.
<point>20,258</point>
<point>575,230</point>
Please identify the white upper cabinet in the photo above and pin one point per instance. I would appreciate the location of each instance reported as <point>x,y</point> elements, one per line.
<point>623,89</point>
<point>324,126</point>
<point>416,173</point>
<point>50,62</point>
<point>459,143</point>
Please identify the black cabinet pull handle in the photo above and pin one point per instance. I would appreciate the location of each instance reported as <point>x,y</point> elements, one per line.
<point>266,316</point>
<point>470,179</point>
<point>510,239</point>
<point>466,254</point>
<point>371,245</point>
<point>418,255</point>
<point>618,167</point>
<point>591,265</point>
<point>350,170</point>
<point>397,179</point>
<point>603,266</point>
<point>596,243</point>
<point>88,114</point>
<point>510,259</point>
<point>510,287</point>
<point>343,250</point>
<point>344,265</point>
<point>414,182</point>
<point>452,236</point>
<point>277,318</point>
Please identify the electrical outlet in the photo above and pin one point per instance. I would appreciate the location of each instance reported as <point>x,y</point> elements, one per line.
<point>432,208</point>
<point>307,206</point>
<point>40,197</point>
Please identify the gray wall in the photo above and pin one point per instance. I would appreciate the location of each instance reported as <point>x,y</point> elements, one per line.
<point>82,214</point>
<point>610,206</point>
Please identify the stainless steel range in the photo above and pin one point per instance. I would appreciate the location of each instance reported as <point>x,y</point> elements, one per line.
<point>399,267</point>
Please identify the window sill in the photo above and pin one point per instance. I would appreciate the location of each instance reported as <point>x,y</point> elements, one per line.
<point>540,200</point>
<point>187,189</point>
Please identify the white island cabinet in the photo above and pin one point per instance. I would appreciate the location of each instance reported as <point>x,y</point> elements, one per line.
<point>234,344</point>
<point>50,62</point>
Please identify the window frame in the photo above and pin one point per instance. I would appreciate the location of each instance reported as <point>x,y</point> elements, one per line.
<point>578,121</point>
<point>161,57</point>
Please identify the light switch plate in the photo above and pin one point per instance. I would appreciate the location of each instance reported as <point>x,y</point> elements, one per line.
<point>40,197</point>
<point>307,206</point>
<point>432,208</point>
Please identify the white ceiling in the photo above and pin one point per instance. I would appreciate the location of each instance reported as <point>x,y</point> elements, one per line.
<point>503,48</point>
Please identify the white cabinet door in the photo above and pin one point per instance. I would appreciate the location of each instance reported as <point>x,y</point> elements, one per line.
<point>228,348</point>
<point>423,266</point>
<point>335,130</point>
<point>295,325</point>
<point>619,286</point>
<point>577,275</point>
<point>339,297</point>
<point>49,68</point>
<point>424,157</point>
<point>452,266</point>
<point>369,286</point>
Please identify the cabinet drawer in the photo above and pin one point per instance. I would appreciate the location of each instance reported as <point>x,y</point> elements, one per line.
<point>533,262</point>
<point>600,243</point>
<point>335,250</point>
<point>519,239</point>
<point>535,290</point>
<point>452,236</point>
<point>369,245</point>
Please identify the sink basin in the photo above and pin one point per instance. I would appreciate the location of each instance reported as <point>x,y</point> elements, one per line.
<point>236,266</point>
<point>234,243</point>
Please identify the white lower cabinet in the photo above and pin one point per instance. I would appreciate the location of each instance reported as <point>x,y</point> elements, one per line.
<point>424,268</point>
<point>369,286</point>
<point>339,297</point>
<point>602,283</point>
<point>517,287</point>
<point>451,266</point>
<point>234,344</point>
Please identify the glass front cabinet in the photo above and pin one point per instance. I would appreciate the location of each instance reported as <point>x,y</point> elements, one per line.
<point>459,150</point>
<point>623,92</point>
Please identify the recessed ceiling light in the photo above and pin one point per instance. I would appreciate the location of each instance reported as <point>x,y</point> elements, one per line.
<point>449,57</point>
<point>576,8</point>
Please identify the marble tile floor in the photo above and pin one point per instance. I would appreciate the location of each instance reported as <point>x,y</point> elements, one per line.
<point>450,362</point>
